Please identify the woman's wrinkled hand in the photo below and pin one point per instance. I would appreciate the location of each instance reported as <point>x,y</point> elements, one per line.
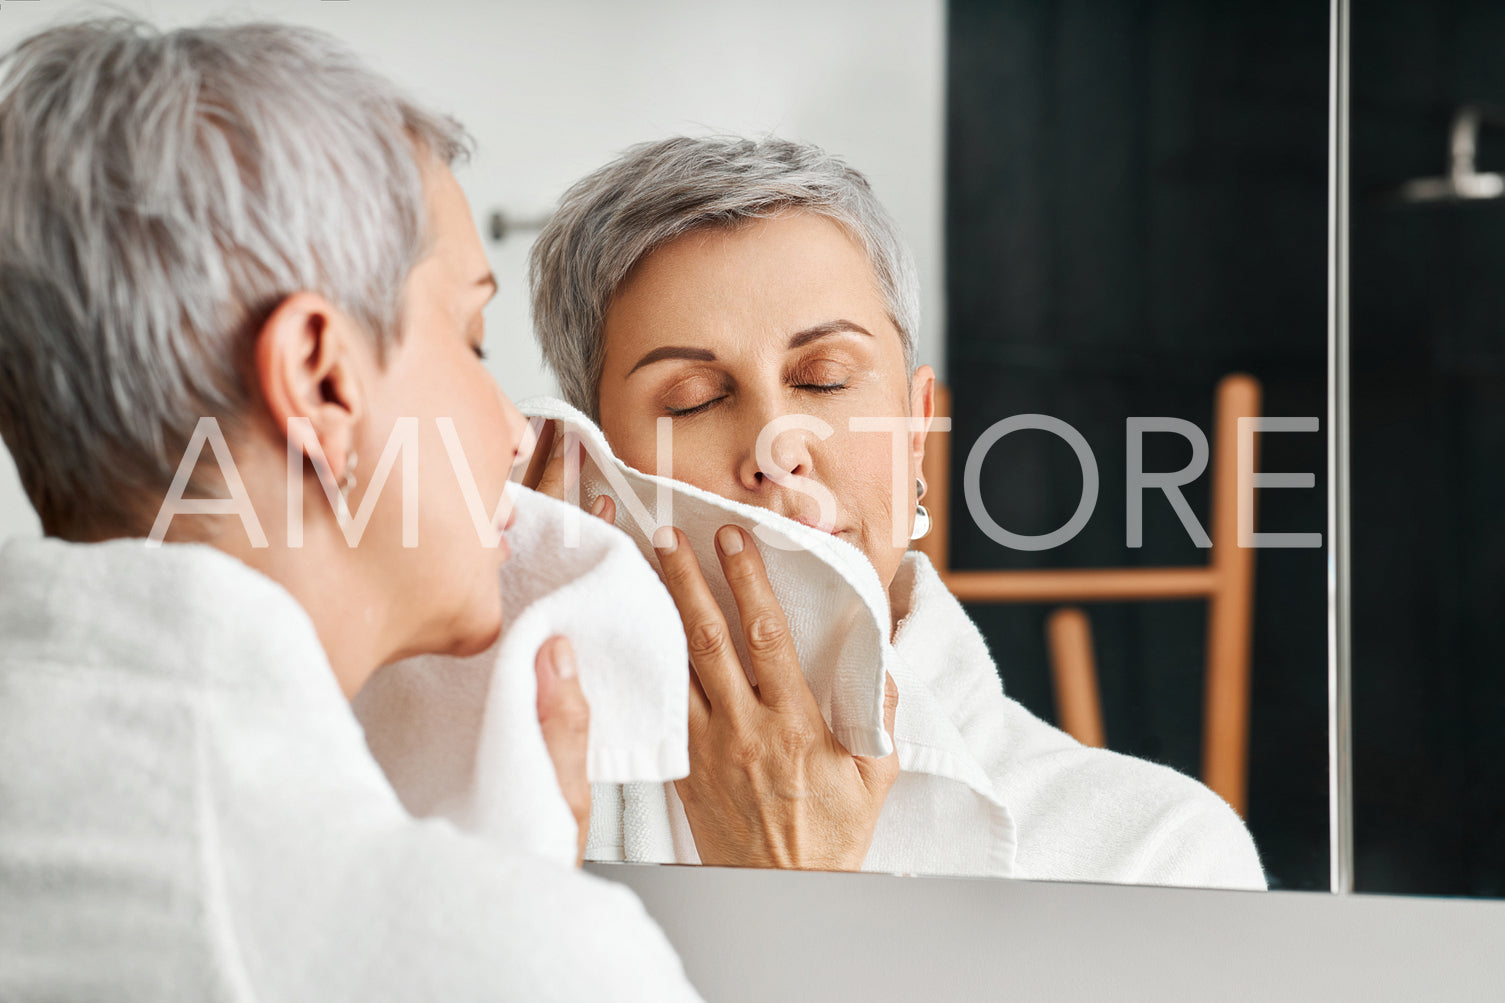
<point>769,785</point>
<point>564,718</point>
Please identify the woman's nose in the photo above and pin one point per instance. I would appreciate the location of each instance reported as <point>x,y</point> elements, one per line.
<point>518,431</point>
<point>775,448</point>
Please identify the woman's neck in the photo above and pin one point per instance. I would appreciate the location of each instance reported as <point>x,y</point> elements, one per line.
<point>348,617</point>
<point>900,598</point>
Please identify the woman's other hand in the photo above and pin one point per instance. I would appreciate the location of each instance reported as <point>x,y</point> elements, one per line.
<point>769,785</point>
<point>564,717</point>
<point>549,474</point>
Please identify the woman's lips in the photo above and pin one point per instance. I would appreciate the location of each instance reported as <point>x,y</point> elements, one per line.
<point>503,547</point>
<point>824,527</point>
<point>509,500</point>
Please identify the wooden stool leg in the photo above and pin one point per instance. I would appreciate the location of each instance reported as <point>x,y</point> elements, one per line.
<point>1230,611</point>
<point>1078,706</point>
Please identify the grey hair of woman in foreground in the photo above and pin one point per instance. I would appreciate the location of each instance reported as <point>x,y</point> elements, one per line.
<point>655,192</point>
<point>147,231</point>
<point>242,230</point>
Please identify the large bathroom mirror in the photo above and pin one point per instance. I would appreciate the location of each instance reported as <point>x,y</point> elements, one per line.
<point>1428,371</point>
<point>1119,212</point>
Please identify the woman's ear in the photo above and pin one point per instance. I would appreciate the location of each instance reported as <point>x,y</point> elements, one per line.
<point>308,367</point>
<point>921,405</point>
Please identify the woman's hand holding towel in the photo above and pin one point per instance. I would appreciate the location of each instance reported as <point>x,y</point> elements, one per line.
<point>563,714</point>
<point>773,781</point>
<point>564,718</point>
<point>769,785</point>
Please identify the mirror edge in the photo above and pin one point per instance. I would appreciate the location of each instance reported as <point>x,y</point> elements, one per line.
<point>1339,651</point>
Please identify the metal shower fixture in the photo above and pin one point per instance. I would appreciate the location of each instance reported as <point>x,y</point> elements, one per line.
<point>1463,181</point>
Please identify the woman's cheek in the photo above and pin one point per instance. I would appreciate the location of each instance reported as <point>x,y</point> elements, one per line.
<point>887,522</point>
<point>636,446</point>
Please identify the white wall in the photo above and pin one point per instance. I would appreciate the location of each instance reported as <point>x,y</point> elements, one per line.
<point>552,90</point>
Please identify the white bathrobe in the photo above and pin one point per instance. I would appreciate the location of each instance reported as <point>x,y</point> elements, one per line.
<point>1079,814</point>
<point>987,788</point>
<point>188,811</point>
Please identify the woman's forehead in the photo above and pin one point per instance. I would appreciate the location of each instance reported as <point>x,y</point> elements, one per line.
<point>782,274</point>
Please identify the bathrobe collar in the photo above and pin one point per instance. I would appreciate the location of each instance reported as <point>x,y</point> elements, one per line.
<point>229,626</point>
<point>941,661</point>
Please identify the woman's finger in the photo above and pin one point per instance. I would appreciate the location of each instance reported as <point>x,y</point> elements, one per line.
<point>543,450</point>
<point>564,719</point>
<point>605,509</point>
<point>764,625</point>
<point>560,472</point>
<point>712,653</point>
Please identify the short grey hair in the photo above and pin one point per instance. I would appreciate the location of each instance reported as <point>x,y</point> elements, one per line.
<point>160,195</point>
<point>655,192</point>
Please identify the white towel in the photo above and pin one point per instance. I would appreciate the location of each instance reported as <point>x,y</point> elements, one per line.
<point>459,737</point>
<point>837,609</point>
<point>944,815</point>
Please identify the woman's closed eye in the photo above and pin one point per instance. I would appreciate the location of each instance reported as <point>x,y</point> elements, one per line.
<point>694,392</point>
<point>820,377</point>
<point>822,388</point>
<point>684,412</point>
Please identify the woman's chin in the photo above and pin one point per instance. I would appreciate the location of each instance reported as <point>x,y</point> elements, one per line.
<point>471,632</point>
<point>479,636</point>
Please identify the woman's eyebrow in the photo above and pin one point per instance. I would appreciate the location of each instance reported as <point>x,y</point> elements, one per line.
<point>810,334</point>
<point>800,338</point>
<point>674,352</point>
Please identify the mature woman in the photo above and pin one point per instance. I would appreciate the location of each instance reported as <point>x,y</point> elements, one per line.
<point>232,261</point>
<point>728,284</point>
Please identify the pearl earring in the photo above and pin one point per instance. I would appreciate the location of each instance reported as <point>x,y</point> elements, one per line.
<point>921,517</point>
<point>348,481</point>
